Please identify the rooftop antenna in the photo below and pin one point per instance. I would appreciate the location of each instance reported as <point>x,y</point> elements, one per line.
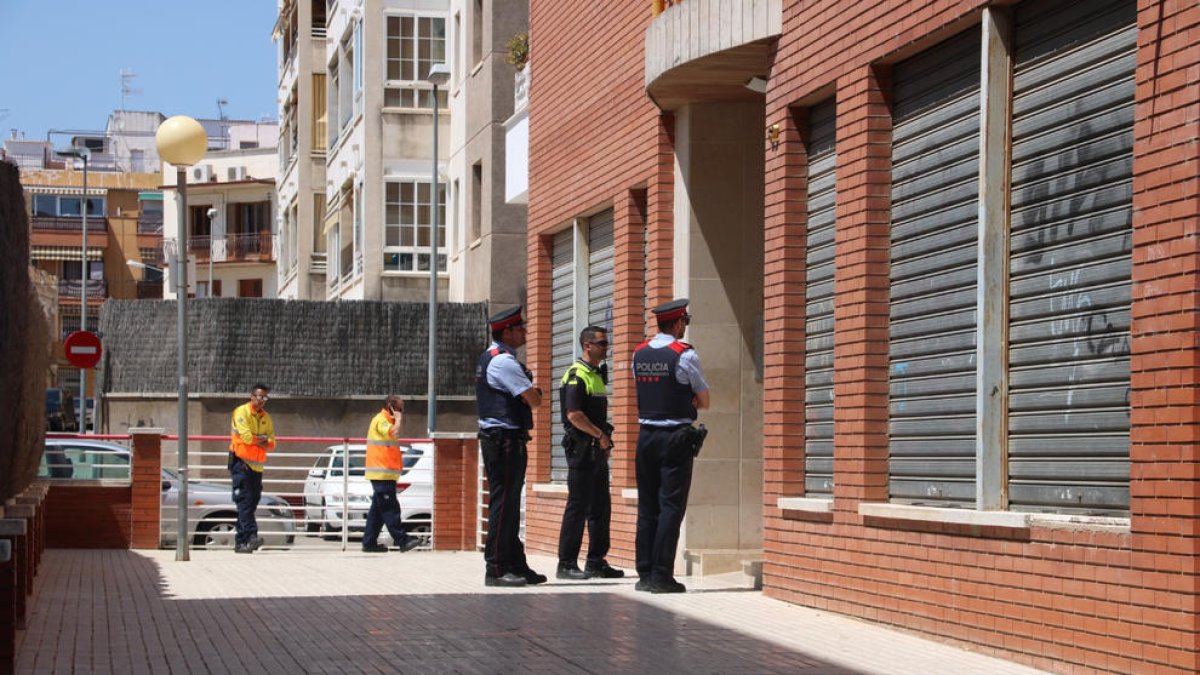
<point>221,103</point>
<point>127,88</point>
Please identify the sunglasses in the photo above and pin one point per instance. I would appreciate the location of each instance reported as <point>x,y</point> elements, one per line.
<point>598,343</point>
<point>262,397</point>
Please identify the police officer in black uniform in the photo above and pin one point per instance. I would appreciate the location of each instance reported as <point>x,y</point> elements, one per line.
<point>670,389</point>
<point>506,397</point>
<point>587,440</point>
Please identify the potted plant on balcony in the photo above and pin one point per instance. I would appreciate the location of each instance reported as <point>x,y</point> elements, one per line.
<point>518,50</point>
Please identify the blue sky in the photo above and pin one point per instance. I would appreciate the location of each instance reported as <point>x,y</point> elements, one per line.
<point>186,53</point>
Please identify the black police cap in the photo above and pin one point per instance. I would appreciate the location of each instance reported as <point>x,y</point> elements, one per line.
<point>669,311</point>
<point>506,318</point>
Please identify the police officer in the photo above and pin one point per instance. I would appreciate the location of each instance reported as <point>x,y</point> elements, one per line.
<point>251,437</point>
<point>506,397</point>
<point>670,389</point>
<point>385,463</point>
<point>587,440</point>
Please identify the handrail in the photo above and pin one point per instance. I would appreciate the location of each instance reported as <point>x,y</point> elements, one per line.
<point>298,439</point>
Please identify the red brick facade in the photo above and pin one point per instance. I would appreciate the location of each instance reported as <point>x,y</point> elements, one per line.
<point>1064,599</point>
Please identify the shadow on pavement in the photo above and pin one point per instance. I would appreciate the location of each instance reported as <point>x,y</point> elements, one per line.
<point>106,612</point>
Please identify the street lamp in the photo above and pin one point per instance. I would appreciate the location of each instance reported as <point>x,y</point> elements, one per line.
<point>83,154</point>
<point>439,75</point>
<point>181,142</point>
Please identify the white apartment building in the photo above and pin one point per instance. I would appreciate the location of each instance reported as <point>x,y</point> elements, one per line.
<point>230,222</point>
<point>356,156</point>
<point>487,244</point>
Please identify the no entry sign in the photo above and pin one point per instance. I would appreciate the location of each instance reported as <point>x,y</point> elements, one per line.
<point>82,348</point>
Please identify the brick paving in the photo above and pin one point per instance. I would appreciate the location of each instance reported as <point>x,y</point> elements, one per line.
<point>116,611</point>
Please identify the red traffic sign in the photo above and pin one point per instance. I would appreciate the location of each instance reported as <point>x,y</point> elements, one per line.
<point>82,349</point>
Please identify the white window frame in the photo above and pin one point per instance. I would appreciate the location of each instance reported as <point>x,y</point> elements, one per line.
<point>421,90</point>
<point>414,250</point>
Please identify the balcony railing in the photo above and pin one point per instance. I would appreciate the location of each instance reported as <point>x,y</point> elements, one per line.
<point>233,247</point>
<point>148,223</point>
<point>149,290</point>
<point>97,289</point>
<point>69,223</point>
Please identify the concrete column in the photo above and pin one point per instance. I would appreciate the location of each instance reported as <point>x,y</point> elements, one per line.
<point>718,264</point>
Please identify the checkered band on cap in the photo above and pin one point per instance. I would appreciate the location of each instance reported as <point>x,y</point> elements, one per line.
<point>676,309</point>
<point>505,319</point>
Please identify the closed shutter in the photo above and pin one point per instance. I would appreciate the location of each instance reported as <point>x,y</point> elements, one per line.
<point>600,270</point>
<point>562,327</point>
<point>935,167</point>
<point>1073,107</point>
<point>818,294</point>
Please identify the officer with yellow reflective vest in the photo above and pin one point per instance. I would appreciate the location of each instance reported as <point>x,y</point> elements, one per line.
<point>587,441</point>
<point>385,463</point>
<point>252,436</point>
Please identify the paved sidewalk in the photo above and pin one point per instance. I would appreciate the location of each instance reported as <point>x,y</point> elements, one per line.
<point>284,612</point>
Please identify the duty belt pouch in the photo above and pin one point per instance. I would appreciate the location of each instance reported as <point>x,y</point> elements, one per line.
<point>688,439</point>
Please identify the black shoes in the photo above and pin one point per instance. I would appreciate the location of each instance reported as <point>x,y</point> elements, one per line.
<point>374,548</point>
<point>508,580</point>
<point>649,586</point>
<point>670,586</point>
<point>605,571</point>
<point>571,572</point>
<point>533,578</point>
<point>408,545</point>
<point>255,543</point>
<point>243,548</point>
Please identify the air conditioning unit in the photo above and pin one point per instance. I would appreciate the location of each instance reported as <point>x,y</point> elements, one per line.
<point>240,173</point>
<point>202,173</point>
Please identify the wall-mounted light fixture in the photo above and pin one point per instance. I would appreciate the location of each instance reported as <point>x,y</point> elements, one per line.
<point>773,134</point>
<point>756,84</point>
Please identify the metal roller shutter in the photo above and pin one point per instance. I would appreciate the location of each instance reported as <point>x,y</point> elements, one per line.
<point>562,327</point>
<point>1069,284</point>
<point>821,202</point>
<point>935,167</point>
<point>600,270</point>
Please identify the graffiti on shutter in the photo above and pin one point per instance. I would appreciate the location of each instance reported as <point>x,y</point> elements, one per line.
<point>1071,232</point>
<point>932,322</point>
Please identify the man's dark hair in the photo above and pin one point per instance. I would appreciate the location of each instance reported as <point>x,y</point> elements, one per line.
<point>665,326</point>
<point>588,334</point>
<point>258,386</point>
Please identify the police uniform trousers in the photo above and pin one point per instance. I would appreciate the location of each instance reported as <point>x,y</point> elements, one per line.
<point>664,476</point>
<point>588,501</point>
<point>247,490</point>
<point>504,461</point>
<point>385,510</point>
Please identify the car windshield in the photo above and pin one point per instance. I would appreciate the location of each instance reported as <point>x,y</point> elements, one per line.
<point>84,461</point>
<point>358,462</point>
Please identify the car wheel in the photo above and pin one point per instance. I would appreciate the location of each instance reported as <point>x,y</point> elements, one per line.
<point>423,531</point>
<point>310,526</point>
<point>215,534</point>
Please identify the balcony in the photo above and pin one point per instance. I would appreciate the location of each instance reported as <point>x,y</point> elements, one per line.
<point>148,223</point>
<point>233,248</point>
<point>71,289</point>
<point>706,50</point>
<point>97,224</point>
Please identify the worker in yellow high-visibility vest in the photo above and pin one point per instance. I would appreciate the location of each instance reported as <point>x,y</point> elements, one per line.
<point>251,437</point>
<point>385,463</point>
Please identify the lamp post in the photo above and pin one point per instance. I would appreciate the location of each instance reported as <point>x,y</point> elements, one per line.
<point>181,142</point>
<point>83,154</point>
<point>439,75</point>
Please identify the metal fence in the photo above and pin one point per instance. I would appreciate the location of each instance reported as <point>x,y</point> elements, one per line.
<point>309,502</point>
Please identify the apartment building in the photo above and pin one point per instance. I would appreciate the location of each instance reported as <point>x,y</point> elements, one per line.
<point>356,181</point>
<point>486,230</point>
<point>231,218</point>
<point>941,259</point>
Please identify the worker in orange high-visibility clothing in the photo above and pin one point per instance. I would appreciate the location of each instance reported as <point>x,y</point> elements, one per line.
<point>252,436</point>
<point>385,463</point>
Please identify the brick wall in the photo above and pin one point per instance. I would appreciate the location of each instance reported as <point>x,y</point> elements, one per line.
<point>455,494</point>
<point>88,516</point>
<point>1064,599</point>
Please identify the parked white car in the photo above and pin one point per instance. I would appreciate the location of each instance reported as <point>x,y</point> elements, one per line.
<point>327,486</point>
<point>212,515</point>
